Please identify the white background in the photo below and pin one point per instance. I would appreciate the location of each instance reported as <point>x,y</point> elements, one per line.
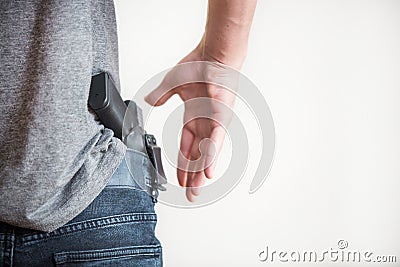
<point>330,72</point>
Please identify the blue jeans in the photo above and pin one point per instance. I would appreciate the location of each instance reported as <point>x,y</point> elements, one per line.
<point>116,229</point>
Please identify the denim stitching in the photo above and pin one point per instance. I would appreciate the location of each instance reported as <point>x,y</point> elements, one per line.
<point>114,253</point>
<point>90,224</point>
<point>127,187</point>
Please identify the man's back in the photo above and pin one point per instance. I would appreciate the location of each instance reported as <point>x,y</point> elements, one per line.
<point>55,158</point>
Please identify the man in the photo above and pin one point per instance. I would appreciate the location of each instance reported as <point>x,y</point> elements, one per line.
<point>66,195</point>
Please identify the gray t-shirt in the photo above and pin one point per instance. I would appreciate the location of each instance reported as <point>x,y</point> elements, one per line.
<point>55,157</point>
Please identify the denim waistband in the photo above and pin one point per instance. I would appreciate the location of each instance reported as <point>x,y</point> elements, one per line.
<point>135,171</point>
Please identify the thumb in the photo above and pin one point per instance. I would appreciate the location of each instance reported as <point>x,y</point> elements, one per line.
<point>166,89</point>
<point>179,75</point>
<point>159,96</point>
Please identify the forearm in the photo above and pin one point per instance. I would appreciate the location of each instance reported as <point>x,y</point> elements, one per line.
<point>227,30</point>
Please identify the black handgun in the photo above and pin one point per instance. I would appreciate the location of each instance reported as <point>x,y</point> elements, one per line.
<point>107,103</point>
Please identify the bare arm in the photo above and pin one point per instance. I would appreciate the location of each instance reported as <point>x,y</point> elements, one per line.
<point>224,41</point>
<point>227,30</point>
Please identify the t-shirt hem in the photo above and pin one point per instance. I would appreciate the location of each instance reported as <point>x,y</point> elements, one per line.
<point>94,186</point>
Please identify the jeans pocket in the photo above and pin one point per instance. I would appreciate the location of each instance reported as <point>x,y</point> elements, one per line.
<point>133,256</point>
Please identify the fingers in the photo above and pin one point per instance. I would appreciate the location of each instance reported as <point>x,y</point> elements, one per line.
<point>195,175</point>
<point>197,159</point>
<point>217,137</point>
<point>184,155</point>
<point>196,181</point>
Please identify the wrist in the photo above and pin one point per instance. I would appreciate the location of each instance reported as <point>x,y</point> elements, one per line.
<point>228,51</point>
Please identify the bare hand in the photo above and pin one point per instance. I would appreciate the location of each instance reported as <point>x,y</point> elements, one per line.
<point>207,111</point>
